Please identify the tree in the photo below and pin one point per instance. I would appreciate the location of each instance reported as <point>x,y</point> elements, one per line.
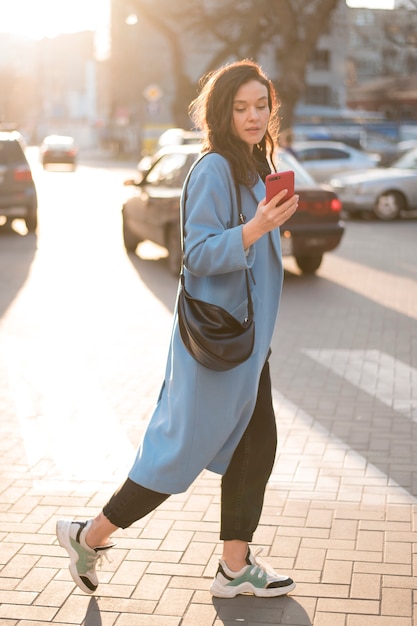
<point>400,31</point>
<point>244,29</point>
<point>291,27</point>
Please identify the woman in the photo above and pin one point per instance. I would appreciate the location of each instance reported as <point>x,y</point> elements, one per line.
<point>223,421</point>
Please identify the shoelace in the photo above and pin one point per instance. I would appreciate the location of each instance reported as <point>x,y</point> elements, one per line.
<point>260,565</point>
<point>94,560</point>
<point>104,555</point>
<point>257,571</point>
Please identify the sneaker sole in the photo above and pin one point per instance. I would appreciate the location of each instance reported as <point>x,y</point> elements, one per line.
<point>62,533</point>
<point>220,591</point>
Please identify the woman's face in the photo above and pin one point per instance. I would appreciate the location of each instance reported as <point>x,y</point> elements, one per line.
<point>251,112</point>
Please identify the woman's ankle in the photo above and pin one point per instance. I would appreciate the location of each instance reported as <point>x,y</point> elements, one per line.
<point>99,532</point>
<point>234,554</point>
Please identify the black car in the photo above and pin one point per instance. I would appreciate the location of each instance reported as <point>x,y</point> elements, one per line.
<point>152,210</point>
<point>18,198</point>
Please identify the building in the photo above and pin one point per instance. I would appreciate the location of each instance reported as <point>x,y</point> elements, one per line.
<point>325,75</point>
<point>67,87</point>
<point>18,72</point>
<point>54,85</point>
<point>382,62</point>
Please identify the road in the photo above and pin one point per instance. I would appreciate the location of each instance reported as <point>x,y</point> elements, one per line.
<point>82,317</point>
<point>84,329</point>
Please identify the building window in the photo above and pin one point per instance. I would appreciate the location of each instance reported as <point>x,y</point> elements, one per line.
<point>321,60</point>
<point>364,17</point>
<point>318,94</point>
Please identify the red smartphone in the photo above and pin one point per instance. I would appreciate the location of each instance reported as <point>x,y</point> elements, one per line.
<point>277,182</point>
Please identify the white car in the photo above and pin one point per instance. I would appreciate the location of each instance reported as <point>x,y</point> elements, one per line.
<point>387,192</point>
<point>324,159</point>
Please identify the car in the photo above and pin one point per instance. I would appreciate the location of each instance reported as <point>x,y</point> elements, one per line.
<point>406,145</point>
<point>401,148</point>
<point>385,193</point>
<point>324,159</point>
<point>58,149</point>
<point>179,136</point>
<point>151,210</point>
<point>18,197</point>
<point>170,137</point>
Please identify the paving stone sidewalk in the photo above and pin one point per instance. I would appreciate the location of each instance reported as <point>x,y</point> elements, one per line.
<point>340,512</point>
<point>346,537</point>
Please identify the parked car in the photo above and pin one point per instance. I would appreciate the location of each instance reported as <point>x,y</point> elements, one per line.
<point>18,198</point>
<point>386,193</point>
<point>401,148</point>
<point>152,210</point>
<point>171,137</point>
<point>58,149</point>
<point>179,136</point>
<point>324,159</point>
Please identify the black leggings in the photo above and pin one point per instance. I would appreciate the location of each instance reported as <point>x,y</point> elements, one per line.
<point>242,486</point>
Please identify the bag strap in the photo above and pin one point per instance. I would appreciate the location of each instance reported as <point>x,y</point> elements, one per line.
<point>242,220</point>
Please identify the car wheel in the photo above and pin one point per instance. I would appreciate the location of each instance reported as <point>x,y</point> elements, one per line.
<point>130,240</point>
<point>174,250</point>
<point>31,220</point>
<point>389,205</point>
<point>309,263</point>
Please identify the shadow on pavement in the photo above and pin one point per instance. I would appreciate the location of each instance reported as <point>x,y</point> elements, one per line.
<point>373,244</point>
<point>252,610</point>
<point>16,255</point>
<point>93,616</point>
<point>372,417</point>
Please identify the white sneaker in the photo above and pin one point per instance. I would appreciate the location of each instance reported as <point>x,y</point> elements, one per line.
<point>71,536</point>
<point>256,578</point>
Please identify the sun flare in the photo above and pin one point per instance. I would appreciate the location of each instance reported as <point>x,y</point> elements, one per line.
<point>49,18</point>
<point>371,4</point>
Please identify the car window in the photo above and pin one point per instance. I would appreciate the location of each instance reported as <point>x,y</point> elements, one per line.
<point>10,152</point>
<point>327,154</point>
<point>407,161</point>
<point>286,161</point>
<point>322,154</point>
<point>170,170</point>
<point>309,154</point>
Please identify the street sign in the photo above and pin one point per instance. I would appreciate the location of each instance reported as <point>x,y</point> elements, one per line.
<point>152,93</point>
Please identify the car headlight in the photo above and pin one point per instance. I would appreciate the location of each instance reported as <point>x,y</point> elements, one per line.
<point>353,189</point>
<point>336,184</point>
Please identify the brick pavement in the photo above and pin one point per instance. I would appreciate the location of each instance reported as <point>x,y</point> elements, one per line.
<point>340,511</point>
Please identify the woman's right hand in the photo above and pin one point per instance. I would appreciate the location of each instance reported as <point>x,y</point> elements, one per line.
<point>269,216</point>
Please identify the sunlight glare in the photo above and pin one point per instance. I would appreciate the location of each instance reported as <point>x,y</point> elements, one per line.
<point>371,4</point>
<point>49,18</point>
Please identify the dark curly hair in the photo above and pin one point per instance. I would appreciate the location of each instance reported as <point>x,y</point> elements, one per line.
<point>212,112</point>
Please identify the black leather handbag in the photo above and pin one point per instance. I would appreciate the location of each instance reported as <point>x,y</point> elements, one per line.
<point>211,334</point>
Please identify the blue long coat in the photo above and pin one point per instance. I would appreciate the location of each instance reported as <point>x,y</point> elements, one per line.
<point>201,414</point>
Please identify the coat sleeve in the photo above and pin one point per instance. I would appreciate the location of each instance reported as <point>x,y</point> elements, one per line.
<point>213,235</point>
